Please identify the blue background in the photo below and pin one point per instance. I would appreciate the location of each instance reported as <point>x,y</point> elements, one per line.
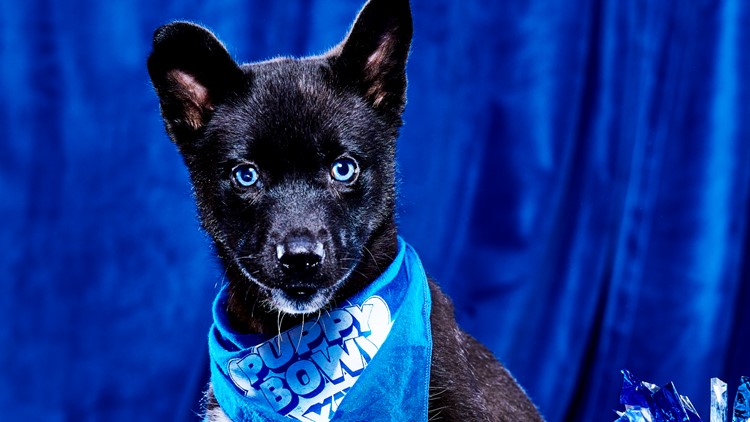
<point>575,174</point>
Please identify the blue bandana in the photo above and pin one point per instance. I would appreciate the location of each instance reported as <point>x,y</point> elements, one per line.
<point>361,361</point>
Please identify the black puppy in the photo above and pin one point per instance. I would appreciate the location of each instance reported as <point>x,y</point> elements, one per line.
<point>292,161</point>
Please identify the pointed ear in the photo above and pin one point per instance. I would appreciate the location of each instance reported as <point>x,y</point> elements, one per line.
<point>372,58</point>
<point>192,72</point>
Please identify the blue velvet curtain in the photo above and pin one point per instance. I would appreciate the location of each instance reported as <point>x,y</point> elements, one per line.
<point>576,175</point>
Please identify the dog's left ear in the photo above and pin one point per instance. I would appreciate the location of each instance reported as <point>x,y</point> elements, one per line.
<point>372,58</point>
<point>192,73</point>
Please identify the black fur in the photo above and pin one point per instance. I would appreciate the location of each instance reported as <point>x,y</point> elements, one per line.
<point>297,240</point>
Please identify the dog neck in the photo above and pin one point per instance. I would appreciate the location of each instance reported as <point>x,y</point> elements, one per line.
<point>248,312</point>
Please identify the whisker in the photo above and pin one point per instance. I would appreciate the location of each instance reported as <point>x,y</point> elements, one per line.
<point>373,258</point>
<point>436,415</point>
<point>301,329</point>
<point>278,323</point>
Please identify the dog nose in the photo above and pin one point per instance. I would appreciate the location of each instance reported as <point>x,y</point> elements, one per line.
<point>299,255</point>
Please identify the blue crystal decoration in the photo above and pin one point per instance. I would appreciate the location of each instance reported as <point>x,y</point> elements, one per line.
<point>718,400</point>
<point>646,402</point>
<point>635,392</point>
<point>662,404</point>
<point>742,402</point>
<point>635,414</point>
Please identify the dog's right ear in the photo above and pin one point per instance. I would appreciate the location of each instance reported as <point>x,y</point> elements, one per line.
<point>192,72</point>
<point>372,58</point>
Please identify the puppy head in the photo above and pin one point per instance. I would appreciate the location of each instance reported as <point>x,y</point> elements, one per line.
<point>292,160</point>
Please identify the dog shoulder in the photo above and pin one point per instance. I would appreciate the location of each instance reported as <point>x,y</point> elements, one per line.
<point>467,382</point>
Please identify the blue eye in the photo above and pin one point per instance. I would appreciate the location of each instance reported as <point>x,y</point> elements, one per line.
<point>344,170</point>
<point>245,175</point>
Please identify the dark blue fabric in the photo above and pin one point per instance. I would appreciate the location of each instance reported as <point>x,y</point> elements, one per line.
<point>575,173</point>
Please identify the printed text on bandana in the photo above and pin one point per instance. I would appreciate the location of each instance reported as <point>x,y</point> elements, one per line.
<point>306,371</point>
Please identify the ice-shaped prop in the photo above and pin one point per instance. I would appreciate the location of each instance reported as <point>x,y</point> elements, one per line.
<point>718,400</point>
<point>742,402</point>
<point>635,414</point>
<point>646,402</point>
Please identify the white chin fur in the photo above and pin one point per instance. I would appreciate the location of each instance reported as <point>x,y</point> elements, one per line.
<point>289,306</point>
<point>280,301</point>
